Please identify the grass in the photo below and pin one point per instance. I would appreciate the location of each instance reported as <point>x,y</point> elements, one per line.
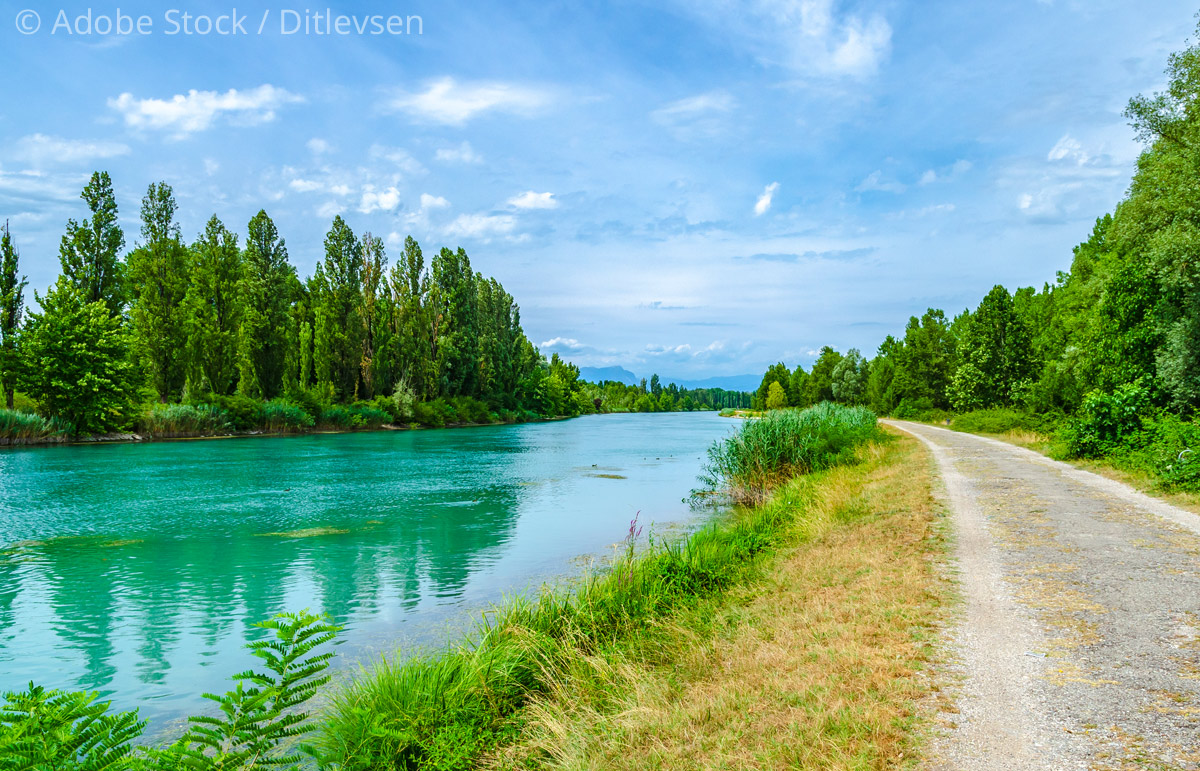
<point>783,444</point>
<point>815,662</point>
<point>19,427</point>
<point>539,666</point>
<point>168,420</point>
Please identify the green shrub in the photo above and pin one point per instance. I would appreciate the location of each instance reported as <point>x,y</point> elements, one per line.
<point>282,415</point>
<point>996,420</point>
<point>243,412</point>
<point>336,416</point>
<point>1107,423</point>
<point>783,444</point>
<point>470,410</point>
<point>367,415</point>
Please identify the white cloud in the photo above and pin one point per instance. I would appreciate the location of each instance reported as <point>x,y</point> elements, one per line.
<point>928,178</point>
<point>211,167</point>
<point>399,157</point>
<point>318,146</point>
<point>433,202</point>
<point>532,200</point>
<point>809,37</point>
<point>876,182</point>
<point>39,148</point>
<point>692,106</point>
<point>452,103</point>
<point>329,210</point>
<point>946,173</point>
<point>564,345</point>
<point>198,110</point>
<point>1068,148</point>
<point>764,201</point>
<point>464,153</point>
<point>305,185</point>
<point>482,226</point>
<point>378,200</point>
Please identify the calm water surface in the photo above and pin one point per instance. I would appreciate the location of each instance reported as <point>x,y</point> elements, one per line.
<point>136,570</point>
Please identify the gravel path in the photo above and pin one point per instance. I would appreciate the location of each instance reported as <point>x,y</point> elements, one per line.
<point>1078,643</point>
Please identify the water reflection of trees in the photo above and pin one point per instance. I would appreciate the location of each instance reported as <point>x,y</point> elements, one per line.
<point>215,584</point>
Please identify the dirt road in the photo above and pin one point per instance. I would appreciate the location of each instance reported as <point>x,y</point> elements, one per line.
<point>1078,641</point>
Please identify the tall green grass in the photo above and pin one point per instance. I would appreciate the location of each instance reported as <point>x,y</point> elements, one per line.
<point>783,444</point>
<point>167,420</point>
<point>446,711</point>
<point>17,427</point>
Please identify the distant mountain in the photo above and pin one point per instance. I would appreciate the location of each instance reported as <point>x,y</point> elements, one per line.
<point>616,374</point>
<point>622,375</point>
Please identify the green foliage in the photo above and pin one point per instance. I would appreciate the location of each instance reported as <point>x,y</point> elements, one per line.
<point>72,731</point>
<point>12,309</point>
<point>90,253</point>
<point>258,723</point>
<point>76,361</point>
<point>783,444</point>
<point>1105,422</point>
<point>156,279</point>
<point>776,397</point>
<point>999,420</point>
<point>213,309</point>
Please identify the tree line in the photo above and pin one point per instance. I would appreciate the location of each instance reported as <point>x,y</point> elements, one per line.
<point>616,396</point>
<point>1107,356</point>
<point>229,323</point>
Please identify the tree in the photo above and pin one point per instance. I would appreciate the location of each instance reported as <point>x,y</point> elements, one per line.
<point>157,281</point>
<point>849,378</point>
<point>414,322</point>
<point>374,265</point>
<point>267,288</point>
<point>213,309</point>
<point>995,355</point>
<point>90,251</point>
<point>337,296</point>
<point>776,397</point>
<point>458,328</point>
<point>776,373</point>
<point>820,380</point>
<point>12,308</point>
<point>77,361</point>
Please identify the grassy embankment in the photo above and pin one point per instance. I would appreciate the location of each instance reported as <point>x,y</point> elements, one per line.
<point>791,633</point>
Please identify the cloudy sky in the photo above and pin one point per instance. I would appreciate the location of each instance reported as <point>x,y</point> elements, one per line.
<point>693,188</point>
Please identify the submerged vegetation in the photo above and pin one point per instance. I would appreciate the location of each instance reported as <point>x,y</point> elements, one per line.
<point>449,710</point>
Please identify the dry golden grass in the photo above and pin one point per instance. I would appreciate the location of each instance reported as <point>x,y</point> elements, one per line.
<point>817,664</point>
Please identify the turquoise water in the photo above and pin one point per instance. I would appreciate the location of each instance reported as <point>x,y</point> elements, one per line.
<point>137,569</point>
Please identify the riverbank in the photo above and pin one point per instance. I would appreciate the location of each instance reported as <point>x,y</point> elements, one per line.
<point>818,660</point>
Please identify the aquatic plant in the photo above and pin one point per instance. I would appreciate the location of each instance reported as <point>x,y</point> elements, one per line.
<point>17,427</point>
<point>783,444</point>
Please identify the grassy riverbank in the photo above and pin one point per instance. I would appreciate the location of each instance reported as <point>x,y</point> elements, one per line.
<point>553,681</point>
<point>815,659</point>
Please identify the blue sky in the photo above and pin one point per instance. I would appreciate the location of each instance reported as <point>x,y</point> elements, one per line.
<point>693,188</point>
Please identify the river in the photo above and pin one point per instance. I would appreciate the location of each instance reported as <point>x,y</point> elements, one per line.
<point>137,570</point>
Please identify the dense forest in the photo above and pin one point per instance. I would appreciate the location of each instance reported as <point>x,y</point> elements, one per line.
<point>616,396</point>
<point>175,338</point>
<point>1105,360</point>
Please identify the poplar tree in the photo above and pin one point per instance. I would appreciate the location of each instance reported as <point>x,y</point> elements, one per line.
<point>90,252</point>
<point>157,279</point>
<point>12,308</point>
<point>267,287</point>
<point>213,309</point>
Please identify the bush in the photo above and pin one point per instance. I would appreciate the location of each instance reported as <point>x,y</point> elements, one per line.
<point>470,410</point>
<point>785,443</point>
<point>429,414</point>
<point>996,420</point>
<point>282,415</point>
<point>165,420</point>
<point>1108,423</point>
<point>336,416</point>
<point>367,415</point>
<point>404,398</point>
